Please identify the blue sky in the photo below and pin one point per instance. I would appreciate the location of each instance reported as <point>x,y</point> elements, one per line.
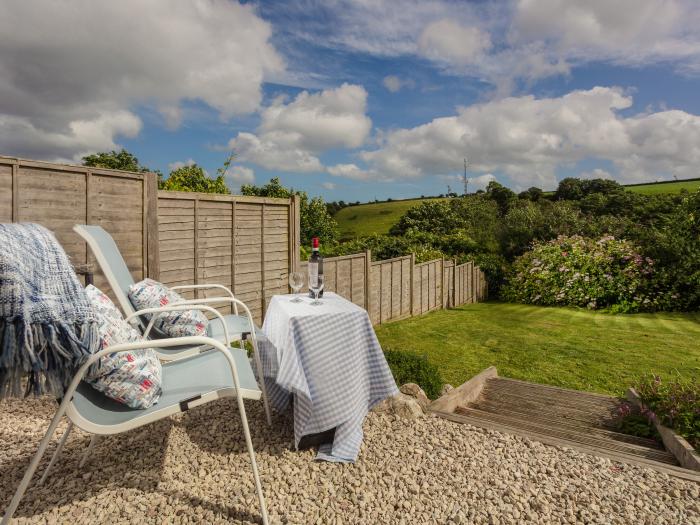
<point>359,100</point>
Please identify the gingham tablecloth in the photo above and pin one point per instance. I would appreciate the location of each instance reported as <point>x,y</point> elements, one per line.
<point>328,356</point>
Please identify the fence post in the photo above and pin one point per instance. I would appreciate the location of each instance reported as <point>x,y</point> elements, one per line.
<point>368,279</point>
<point>294,233</point>
<point>151,220</point>
<point>442,284</point>
<point>454,283</point>
<point>413,270</point>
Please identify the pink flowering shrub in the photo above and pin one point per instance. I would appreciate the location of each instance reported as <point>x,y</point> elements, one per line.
<point>578,271</point>
<point>676,404</point>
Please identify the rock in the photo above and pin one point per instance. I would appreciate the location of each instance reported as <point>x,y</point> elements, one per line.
<point>413,390</point>
<point>382,406</point>
<point>401,405</point>
<point>445,389</point>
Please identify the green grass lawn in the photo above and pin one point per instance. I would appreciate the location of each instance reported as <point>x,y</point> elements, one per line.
<point>559,346</point>
<point>377,217</point>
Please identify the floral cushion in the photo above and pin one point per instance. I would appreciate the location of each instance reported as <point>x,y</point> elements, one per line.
<point>133,378</point>
<point>152,294</point>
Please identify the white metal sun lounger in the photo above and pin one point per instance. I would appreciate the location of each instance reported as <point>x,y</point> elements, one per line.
<point>187,383</point>
<point>115,270</point>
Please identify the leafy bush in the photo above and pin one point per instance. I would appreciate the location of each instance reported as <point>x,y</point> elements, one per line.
<point>577,271</point>
<point>676,404</point>
<point>638,425</point>
<point>194,178</point>
<point>316,221</point>
<point>412,368</point>
<point>386,247</point>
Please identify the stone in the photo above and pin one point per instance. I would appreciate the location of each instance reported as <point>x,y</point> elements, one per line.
<point>446,388</point>
<point>415,391</point>
<point>406,407</point>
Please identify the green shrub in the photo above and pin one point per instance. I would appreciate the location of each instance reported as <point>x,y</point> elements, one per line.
<point>576,271</point>
<point>676,404</point>
<point>413,368</point>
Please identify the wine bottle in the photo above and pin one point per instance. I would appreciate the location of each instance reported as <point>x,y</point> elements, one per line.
<point>315,266</point>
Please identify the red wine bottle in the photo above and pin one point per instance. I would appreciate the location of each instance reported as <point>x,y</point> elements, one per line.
<point>315,266</point>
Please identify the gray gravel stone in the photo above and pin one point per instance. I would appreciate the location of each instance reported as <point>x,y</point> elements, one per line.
<point>193,468</point>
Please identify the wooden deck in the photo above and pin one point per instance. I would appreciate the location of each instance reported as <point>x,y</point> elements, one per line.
<point>557,416</point>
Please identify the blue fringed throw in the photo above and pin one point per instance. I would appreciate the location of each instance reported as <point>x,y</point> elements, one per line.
<point>47,326</point>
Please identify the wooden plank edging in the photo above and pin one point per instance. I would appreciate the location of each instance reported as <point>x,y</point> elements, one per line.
<point>465,393</point>
<point>674,443</point>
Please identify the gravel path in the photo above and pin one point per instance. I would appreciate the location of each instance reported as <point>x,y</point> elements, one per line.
<point>194,468</point>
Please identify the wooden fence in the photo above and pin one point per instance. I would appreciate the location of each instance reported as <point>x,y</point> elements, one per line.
<point>249,244</point>
<point>59,196</point>
<point>398,288</point>
<point>246,243</point>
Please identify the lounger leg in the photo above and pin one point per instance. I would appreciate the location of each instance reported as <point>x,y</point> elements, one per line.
<point>91,445</point>
<point>258,366</point>
<point>251,452</point>
<point>56,453</point>
<point>12,507</point>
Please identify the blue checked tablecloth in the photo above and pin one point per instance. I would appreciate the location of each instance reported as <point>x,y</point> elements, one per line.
<point>329,358</point>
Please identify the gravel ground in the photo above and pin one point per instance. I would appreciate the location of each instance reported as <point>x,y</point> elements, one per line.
<point>194,469</point>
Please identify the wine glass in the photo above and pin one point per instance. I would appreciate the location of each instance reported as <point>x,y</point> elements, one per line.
<point>316,289</point>
<point>296,282</point>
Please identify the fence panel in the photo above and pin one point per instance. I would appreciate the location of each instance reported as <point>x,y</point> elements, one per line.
<point>60,196</point>
<point>345,275</point>
<point>390,295</point>
<point>428,286</point>
<point>240,242</point>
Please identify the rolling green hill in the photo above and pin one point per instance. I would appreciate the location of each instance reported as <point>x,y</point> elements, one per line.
<point>665,187</point>
<point>378,217</point>
<point>375,217</point>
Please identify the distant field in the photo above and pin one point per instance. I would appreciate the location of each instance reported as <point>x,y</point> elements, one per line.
<point>666,187</point>
<point>378,217</point>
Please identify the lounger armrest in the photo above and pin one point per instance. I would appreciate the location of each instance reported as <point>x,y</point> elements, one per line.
<point>178,307</point>
<point>218,300</point>
<point>202,287</point>
<point>207,287</point>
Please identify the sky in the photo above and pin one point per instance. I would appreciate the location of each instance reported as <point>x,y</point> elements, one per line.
<point>364,99</point>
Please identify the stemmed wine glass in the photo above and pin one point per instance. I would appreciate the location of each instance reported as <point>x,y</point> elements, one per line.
<point>296,282</point>
<point>316,289</point>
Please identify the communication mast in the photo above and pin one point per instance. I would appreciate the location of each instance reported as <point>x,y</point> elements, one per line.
<point>466,181</point>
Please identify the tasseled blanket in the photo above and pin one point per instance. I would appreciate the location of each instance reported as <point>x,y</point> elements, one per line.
<point>47,327</point>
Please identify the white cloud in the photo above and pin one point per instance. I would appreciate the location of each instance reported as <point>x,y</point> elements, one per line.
<point>596,173</point>
<point>349,171</point>
<point>19,136</point>
<point>392,83</point>
<point>292,135</point>
<point>626,31</point>
<point>529,140</point>
<point>328,185</point>
<point>181,164</point>
<point>503,42</point>
<point>238,175</point>
<point>395,83</point>
<point>83,60</point>
<point>449,42</point>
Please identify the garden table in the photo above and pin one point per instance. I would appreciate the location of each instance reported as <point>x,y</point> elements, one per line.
<point>328,357</point>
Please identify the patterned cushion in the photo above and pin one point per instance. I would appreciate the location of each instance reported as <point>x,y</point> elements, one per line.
<point>133,378</point>
<point>152,294</point>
